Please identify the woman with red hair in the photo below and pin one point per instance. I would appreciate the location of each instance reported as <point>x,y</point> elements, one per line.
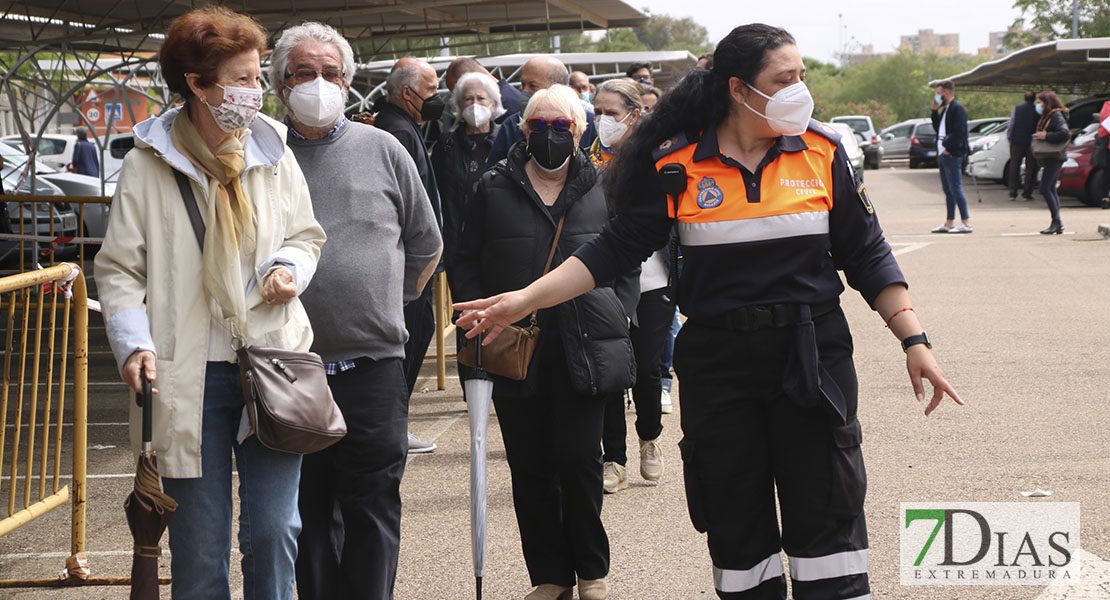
<point>175,310</point>
<point>1053,127</point>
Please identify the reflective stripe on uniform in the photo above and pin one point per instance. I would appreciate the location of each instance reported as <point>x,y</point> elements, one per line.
<point>753,230</point>
<point>736,580</point>
<point>827,567</point>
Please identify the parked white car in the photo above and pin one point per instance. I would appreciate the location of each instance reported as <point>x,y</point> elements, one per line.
<point>56,150</point>
<point>68,184</point>
<point>850,141</point>
<point>990,156</point>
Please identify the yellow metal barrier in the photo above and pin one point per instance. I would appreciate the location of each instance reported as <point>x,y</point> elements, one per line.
<point>62,228</point>
<point>27,296</point>
<point>445,328</point>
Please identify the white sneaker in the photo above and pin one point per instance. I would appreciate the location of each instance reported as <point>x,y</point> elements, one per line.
<point>960,228</point>
<point>942,229</point>
<point>419,446</point>
<point>665,402</point>
<point>651,459</point>
<point>615,477</point>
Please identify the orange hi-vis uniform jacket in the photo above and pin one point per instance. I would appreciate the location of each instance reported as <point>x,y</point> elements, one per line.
<point>775,236</point>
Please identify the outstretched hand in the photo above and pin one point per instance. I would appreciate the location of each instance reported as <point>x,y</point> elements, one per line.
<point>922,365</point>
<point>491,315</point>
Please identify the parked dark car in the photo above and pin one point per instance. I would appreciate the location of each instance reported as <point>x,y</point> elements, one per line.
<point>1078,178</point>
<point>914,139</point>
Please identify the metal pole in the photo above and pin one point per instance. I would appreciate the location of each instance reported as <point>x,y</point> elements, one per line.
<point>1074,19</point>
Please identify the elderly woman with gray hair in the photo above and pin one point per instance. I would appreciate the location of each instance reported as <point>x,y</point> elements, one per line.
<point>383,246</point>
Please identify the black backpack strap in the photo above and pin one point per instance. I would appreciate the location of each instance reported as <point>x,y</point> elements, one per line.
<point>190,205</point>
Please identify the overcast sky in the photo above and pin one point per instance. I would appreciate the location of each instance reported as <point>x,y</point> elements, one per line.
<point>815,23</point>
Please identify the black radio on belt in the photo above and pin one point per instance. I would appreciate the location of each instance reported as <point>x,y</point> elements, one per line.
<point>673,178</point>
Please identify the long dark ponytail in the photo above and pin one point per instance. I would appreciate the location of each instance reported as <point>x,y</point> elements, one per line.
<point>700,99</point>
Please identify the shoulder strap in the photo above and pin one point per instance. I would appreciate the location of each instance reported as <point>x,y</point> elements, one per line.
<point>551,255</point>
<point>555,243</point>
<point>190,205</point>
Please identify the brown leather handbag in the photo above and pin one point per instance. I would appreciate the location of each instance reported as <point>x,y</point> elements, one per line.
<point>510,353</point>
<point>289,403</point>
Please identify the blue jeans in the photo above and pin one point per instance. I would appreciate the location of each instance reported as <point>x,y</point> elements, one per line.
<point>668,354</point>
<point>951,179</point>
<point>200,532</point>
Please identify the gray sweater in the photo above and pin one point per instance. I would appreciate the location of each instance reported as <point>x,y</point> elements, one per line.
<point>381,235</point>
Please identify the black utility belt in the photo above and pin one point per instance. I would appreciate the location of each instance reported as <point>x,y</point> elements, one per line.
<point>756,317</point>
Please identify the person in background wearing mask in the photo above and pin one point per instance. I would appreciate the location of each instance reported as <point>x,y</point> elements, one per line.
<point>552,432</point>
<point>539,73</point>
<point>170,306</point>
<point>619,110</point>
<point>950,121</point>
<point>649,97</point>
<point>1052,127</point>
<point>580,82</point>
<point>1019,131</point>
<point>510,96</point>
<point>640,73</point>
<point>383,245</point>
<point>412,90</point>
<point>771,211</point>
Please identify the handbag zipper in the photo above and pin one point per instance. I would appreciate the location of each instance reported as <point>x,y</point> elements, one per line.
<point>280,365</point>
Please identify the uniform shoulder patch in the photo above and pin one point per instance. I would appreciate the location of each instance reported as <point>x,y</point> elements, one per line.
<point>709,193</point>
<point>671,145</point>
<point>863,197</point>
<point>825,131</point>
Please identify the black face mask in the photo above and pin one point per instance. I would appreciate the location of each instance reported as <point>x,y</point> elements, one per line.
<point>550,148</point>
<point>524,98</point>
<point>432,108</point>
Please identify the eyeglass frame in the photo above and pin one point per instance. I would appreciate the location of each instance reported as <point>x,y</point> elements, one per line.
<point>316,72</point>
<point>550,122</point>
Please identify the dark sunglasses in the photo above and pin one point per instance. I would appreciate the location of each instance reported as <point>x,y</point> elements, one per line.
<point>537,125</point>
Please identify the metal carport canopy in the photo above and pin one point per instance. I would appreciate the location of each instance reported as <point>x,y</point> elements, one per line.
<point>1082,65</point>
<point>131,23</point>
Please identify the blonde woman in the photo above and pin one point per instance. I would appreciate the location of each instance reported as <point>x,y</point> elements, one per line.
<point>551,428</point>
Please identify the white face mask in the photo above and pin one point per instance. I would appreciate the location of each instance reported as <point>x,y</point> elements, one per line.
<point>239,108</point>
<point>316,103</point>
<point>789,110</point>
<point>476,115</point>
<point>610,130</point>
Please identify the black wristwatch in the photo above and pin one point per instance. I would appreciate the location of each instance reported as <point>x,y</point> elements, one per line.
<point>913,340</point>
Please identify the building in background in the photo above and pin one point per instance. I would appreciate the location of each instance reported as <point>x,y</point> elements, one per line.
<point>925,42</point>
<point>996,46</point>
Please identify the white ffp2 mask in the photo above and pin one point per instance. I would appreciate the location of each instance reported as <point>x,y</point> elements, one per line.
<point>610,130</point>
<point>476,115</point>
<point>789,110</point>
<point>316,103</point>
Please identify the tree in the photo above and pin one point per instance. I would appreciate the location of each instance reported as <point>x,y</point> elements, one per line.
<point>1047,20</point>
<point>664,32</point>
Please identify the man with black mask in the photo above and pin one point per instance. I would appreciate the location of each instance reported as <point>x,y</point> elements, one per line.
<point>413,98</point>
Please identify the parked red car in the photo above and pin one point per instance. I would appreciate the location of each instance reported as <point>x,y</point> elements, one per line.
<point>1077,177</point>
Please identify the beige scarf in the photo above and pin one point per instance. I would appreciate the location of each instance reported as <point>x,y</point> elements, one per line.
<point>230,221</point>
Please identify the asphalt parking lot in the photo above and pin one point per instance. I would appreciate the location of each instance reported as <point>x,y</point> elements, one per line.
<point>1019,323</point>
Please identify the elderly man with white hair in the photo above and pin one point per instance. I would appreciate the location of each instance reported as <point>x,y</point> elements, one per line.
<point>383,245</point>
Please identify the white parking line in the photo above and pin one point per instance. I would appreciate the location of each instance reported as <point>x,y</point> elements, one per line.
<point>906,248</point>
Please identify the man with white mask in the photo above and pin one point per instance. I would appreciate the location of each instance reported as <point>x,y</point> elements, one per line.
<point>384,244</point>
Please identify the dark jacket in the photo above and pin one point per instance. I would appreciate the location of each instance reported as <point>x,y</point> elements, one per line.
<point>507,235</point>
<point>1055,126</point>
<point>510,134</point>
<point>955,128</point>
<point>391,118</point>
<point>456,181</point>
<point>85,161</point>
<point>1023,122</point>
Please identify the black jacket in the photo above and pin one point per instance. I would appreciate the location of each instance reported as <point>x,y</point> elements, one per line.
<point>955,128</point>
<point>391,118</point>
<point>1023,124</point>
<point>506,237</point>
<point>456,181</point>
<point>1055,126</point>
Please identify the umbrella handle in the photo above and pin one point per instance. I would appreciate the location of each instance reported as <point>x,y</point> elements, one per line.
<point>147,401</point>
<point>478,352</point>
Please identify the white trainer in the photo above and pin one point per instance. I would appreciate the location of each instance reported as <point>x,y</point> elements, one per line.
<point>651,459</point>
<point>615,477</point>
<point>665,402</point>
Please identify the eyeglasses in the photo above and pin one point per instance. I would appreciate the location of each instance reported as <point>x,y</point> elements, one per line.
<point>645,79</point>
<point>537,125</point>
<point>331,74</point>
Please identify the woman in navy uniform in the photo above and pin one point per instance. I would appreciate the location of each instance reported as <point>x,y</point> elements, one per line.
<point>768,209</point>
